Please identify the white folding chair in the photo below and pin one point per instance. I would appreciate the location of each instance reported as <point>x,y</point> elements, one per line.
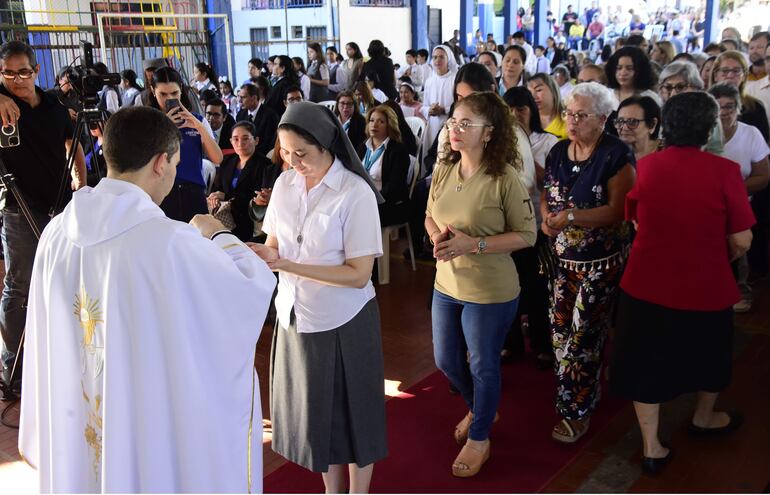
<point>390,233</point>
<point>330,104</point>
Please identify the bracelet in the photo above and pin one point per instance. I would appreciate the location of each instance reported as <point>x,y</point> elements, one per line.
<point>430,236</point>
<point>219,232</point>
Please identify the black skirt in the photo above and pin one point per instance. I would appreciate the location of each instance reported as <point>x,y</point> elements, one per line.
<point>660,353</point>
<point>327,395</point>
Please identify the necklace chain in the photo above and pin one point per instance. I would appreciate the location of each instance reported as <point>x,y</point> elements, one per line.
<point>300,236</point>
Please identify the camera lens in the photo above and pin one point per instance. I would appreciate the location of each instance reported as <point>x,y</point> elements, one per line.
<point>14,141</point>
<point>9,129</point>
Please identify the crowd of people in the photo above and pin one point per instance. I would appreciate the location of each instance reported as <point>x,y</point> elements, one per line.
<point>558,192</point>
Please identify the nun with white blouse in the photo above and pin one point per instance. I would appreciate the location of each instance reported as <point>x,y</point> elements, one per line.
<point>327,397</point>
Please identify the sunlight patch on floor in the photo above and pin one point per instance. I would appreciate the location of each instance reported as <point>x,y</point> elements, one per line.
<point>18,478</point>
<point>392,390</point>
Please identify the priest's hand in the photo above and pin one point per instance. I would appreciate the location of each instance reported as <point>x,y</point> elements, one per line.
<point>267,253</point>
<point>207,225</point>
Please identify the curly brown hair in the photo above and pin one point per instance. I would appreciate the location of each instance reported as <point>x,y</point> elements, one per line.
<point>503,147</point>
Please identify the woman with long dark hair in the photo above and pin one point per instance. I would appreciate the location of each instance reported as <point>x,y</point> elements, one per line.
<point>380,63</point>
<point>187,198</point>
<point>318,72</point>
<point>204,78</point>
<point>285,77</point>
<point>130,88</point>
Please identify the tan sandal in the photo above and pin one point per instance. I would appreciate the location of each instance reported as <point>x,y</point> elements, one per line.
<point>469,461</point>
<point>464,426</point>
<point>573,430</point>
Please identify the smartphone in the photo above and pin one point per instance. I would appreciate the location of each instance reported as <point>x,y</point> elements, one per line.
<point>9,136</point>
<point>172,103</point>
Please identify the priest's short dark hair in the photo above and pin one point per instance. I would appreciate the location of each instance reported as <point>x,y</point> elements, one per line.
<point>134,135</point>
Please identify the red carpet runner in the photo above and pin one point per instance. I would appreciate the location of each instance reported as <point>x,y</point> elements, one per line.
<point>421,447</point>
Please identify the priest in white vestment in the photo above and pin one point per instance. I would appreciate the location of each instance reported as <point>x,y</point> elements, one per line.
<point>141,334</point>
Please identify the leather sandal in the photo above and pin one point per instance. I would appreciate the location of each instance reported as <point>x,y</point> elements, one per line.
<point>575,430</point>
<point>469,461</point>
<point>464,426</point>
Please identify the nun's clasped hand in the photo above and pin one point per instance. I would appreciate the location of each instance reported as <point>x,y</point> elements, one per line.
<point>456,243</point>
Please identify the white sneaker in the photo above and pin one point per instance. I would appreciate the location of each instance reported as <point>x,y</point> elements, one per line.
<point>742,306</point>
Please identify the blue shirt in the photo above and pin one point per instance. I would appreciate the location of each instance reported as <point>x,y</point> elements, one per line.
<point>190,168</point>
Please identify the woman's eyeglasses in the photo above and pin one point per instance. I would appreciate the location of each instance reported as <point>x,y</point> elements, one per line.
<point>577,117</point>
<point>673,88</point>
<point>731,72</point>
<point>629,123</point>
<point>462,126</point>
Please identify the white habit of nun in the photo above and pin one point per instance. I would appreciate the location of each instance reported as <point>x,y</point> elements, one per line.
<point>438,89</point>
<point>138,366</point>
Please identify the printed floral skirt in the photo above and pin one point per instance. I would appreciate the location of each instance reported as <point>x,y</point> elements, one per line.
<point>580,313</point>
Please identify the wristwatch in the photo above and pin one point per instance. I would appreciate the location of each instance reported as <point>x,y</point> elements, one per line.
<point>482,245</point>
<point>570,217</point>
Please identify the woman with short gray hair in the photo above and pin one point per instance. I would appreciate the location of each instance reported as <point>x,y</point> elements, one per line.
<point>587,177</point>
<point>678,77</point>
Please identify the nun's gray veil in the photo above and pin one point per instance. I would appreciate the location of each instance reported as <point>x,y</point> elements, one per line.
<point>325,127</point>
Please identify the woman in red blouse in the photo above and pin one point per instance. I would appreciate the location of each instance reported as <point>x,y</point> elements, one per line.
<point>675,318</point>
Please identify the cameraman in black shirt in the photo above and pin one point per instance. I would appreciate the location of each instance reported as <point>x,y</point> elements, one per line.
<point>37,163</point>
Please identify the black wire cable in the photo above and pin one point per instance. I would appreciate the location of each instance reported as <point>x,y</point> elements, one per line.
<point>5,413</point>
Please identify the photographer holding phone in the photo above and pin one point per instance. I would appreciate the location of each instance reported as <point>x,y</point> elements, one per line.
<point>36,161</point>
<point>188,196</point>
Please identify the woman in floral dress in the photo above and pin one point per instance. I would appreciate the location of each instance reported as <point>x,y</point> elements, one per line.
<point>587,177</point>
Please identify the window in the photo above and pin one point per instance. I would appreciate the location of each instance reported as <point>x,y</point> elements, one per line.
<point>259,43</point>
<point>296,32</point>
<point>317,34</point>
<point>379,3</point>
<point>275,32</point>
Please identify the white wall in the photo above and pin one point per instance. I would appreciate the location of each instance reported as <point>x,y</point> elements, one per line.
<point>245,20</point>
<point>390,25</point>
<point>450,16</point>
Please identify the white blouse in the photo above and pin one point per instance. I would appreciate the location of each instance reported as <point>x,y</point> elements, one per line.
<point>338,220</point>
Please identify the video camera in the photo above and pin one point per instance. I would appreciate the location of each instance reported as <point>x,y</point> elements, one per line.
<point>86,81</point>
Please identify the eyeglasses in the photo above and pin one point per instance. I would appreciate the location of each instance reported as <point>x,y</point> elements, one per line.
<point>729,108</point>
<point>674,88</point>
<point>462,126</point>
<point>734,72</point>
<point>345,104</point>
<point>630,123</point>
<point>576,117</point>
<point>22,74</point>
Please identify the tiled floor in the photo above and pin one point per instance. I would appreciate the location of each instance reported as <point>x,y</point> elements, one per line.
<point>610,463</point>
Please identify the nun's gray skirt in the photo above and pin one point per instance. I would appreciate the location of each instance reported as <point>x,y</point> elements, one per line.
<point>327,393</point>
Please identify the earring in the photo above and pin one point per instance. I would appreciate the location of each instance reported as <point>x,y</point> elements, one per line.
<point>485,144</point>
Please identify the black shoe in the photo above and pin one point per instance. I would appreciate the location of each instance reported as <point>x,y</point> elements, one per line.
<point>736,420</point>
<point>653,465</point>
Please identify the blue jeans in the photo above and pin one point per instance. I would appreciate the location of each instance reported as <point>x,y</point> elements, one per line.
<point>463,328</point>
<point>19,246</point>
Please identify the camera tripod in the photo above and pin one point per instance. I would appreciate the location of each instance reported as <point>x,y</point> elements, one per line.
<point>88,118</point>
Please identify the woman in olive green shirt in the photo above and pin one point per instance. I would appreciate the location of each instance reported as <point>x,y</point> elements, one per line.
<point>478,213</point>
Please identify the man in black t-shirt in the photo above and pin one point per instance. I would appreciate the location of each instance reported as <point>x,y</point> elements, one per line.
<point>38,164</point>
<point>568,19</point>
